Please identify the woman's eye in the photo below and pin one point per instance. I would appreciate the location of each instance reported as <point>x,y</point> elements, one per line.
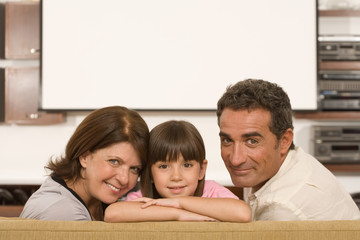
<point>135,170</point>
<point>114,161</point>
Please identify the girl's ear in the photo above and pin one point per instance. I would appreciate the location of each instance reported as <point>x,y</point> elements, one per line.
<point>84,158</point>
<point>203,167</point>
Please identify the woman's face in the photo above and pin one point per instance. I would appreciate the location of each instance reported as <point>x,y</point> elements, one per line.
<point>177,178</point>
<point>109,172</point>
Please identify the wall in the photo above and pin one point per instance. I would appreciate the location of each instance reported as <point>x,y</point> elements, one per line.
<point>24,150</point>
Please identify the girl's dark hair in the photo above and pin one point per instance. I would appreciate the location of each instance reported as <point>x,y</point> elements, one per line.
<point>167,142</point>
<point>252,94</point>
<point>100,129</point>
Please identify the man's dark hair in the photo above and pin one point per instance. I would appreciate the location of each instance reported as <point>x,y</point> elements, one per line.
<point>253,94</point>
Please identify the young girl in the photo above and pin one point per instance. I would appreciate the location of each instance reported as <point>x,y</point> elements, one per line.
<point>173,185</point>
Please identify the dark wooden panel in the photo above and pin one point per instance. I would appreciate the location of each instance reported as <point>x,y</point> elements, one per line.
<point>237,191</point>
<point>22,98</point>
<point>2,95</point>
<point>22,30</point>
<point>345,168</point>
<point>2,30</point>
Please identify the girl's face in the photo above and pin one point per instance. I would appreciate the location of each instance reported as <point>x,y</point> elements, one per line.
<point>109,172</point>
<point>177,178</point>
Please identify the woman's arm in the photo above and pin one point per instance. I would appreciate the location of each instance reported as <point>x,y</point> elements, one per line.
<point>129,211</point>
<point>222,209</point>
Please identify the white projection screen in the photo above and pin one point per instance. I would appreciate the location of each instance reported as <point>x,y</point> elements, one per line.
<point>173,55</point>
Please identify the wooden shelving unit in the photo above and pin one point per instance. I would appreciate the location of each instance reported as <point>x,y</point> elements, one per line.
<point>334,65</point>
<point>336,115</point>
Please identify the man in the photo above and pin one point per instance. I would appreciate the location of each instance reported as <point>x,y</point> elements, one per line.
<point>281,181</point>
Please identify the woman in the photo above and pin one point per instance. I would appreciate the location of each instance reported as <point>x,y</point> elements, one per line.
<point>102,162</point>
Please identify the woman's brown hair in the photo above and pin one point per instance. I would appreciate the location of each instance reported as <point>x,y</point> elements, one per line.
<point>100,129</point>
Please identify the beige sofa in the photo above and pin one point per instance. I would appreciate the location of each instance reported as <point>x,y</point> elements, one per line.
<point>17,229</point>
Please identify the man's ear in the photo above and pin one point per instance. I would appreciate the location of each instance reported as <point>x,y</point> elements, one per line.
<point>286,140</point>
<point>203,169</point>
<point>84,158</point>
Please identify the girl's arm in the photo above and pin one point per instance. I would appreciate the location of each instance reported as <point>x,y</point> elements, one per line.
<point>129,211</point>
<point>222,209</point>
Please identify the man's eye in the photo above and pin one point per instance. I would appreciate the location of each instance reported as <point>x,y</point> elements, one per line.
<point>252,141</point>
<point>225,140</point>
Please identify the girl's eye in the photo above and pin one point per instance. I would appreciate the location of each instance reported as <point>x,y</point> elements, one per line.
<point>135,170</point>
<point>187,165</point>
<point>163,166</point>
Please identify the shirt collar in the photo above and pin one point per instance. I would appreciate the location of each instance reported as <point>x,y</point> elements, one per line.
<point>285,166</point>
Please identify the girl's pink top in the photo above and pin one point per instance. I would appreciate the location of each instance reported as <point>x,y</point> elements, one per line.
<point>212,189</point>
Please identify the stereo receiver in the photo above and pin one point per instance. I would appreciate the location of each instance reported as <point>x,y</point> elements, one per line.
<point>339,89</point>
<point>337,144</point>
<point>339,48</point>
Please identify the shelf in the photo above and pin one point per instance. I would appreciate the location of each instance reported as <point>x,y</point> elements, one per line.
<point>339,13</point>
<point>339,65</point>
<point>337,168</point>
<point>328,115</point>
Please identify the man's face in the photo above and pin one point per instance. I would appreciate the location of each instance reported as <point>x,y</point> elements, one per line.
<point>250,151</point>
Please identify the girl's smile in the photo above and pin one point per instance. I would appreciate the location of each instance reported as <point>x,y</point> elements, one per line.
<point>177,190</point>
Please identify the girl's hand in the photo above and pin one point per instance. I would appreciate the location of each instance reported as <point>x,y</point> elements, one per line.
<point>164,202</point>
<point>142,199</point>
